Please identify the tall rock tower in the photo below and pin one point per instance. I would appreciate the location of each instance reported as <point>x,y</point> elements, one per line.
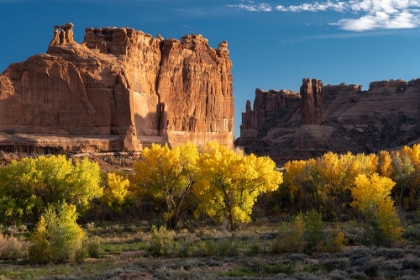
<point>311,104</point>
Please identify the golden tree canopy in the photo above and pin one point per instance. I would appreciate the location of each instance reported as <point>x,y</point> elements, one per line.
<point>230,182</point>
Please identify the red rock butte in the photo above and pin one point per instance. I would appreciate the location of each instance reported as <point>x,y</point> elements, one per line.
<point>119,90</point>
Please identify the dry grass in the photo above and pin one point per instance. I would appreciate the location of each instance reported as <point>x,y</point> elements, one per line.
<point>13,248</point>
<point>212,253</point>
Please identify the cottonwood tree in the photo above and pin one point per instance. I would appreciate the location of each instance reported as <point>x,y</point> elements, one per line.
<point>167,175</point>
<point>230,182</point>
<point>332,173</point>
<point>410,195</point>
<point>325,183</point>
<point>27,187</point>
<point>337,173</point>
<point>299,180</point>
<point>401,174</point>
<point>369,191</point>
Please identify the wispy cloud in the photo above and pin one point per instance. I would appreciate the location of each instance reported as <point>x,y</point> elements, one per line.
<point>366,14</point>
<point>252,7</point>
<point>314,7</point>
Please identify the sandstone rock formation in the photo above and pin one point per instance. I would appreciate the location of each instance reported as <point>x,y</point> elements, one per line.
<point>311,106</point>
<point>119,90</point>
<point>338,118</point>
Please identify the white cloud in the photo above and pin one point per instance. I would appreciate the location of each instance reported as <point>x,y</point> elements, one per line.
<point>367,14</point>
<point>314,7</point>
<point>381,20</point>
<point>382,14</point>
<point>263,7</point>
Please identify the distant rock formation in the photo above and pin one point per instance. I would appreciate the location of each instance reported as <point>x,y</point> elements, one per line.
<point>267,106</point>
<point>311,106</point>
<point>119,90</point>
<point>338,118</point>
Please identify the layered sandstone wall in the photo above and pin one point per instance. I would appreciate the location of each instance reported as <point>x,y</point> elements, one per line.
<point>267,104</point>
<point>267,107</point>
<point>337,99</point>
<point>200,78</point>
<point>398,85</point>
<point>124,82</point>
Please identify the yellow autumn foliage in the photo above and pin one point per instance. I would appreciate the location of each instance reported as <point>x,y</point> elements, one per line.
<point>57,237</point>
<point>369,192</point>
<point>167,175</point>
<point>116,191</point>
<point>230,182</point>
<point>388,222</point>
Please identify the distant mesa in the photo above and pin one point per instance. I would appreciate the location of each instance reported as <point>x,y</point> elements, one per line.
<point>119,90</point>
<point>288,125</point>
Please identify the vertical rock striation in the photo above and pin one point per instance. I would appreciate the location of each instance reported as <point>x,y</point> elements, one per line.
<point>311,106</point>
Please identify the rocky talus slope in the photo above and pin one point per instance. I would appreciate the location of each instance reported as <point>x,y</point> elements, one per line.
<point>119,90</point>
<point>340,118</point>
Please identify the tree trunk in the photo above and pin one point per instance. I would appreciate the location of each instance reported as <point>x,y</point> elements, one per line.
<point>232,224</point>
<point>174,220</point>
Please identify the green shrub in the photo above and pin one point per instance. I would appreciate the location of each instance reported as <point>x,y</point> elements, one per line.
<point>335,241</point>
<point>94,247</point>
<point>205,249</point>
<point>254,249</point>
<point>338,263</point>
<point>305,232</point>
<point>183,248</point>
<point>186,245</point>
<point>227,247</point>
<point>40,250</point>
<point>314,229</point>
<point>222,247</point>
<point>290,237</point>
<point>161,242</point>
<point>57,236</point>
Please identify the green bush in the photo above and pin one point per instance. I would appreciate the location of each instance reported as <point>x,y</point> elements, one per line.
<point>305,232</point>
<point>40,250</point>
<point>254,249</point>
<point>227,247</point>
<point>94,247</point>
<point>183,248</point>
<point>314,229</point>
<point>57,237</point>
<point>205,249</point>
<point>335,241</point>
<point>161,242</point>
<point>290,237</point>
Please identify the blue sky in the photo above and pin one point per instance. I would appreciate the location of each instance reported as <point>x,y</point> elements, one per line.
<point>273,44</point>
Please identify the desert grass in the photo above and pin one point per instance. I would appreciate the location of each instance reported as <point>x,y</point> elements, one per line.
<point>12,247</point>
<point>213,253</point>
